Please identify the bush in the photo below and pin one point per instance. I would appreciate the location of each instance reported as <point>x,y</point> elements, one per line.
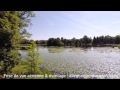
<point>31,66</point>
<point>20,69</point>
<point>23,68</point>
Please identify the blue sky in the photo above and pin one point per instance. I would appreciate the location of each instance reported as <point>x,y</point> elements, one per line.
<point>69,24</point>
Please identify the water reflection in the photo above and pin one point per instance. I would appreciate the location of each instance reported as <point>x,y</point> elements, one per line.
<point>55,50</point>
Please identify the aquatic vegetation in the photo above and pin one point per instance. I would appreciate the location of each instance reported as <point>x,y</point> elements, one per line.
<point>55,50</point>
<point>98,61</point>
<point>118,46</point>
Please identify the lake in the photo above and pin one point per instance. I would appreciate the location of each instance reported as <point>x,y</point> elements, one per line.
<point>98,61</point>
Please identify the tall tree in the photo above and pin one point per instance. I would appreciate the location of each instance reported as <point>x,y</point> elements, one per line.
<point>117,39</point>
<point>97,40</point>
<point>62,39</point>
<point>94,42</point>
<point>34,59</point>
<point>77,43</point>
<point>50,42</point>
<point>12,30</point>
<point>86,40</point>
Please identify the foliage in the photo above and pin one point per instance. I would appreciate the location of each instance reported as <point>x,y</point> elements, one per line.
<point>69,42</point>
<point>31,66</point>
<point>55,42</point>
<point>20,69</point>
<point>12,30</point>
<point>33,59</point>
<point>106,40</point>
<point>85,41</point>
<point>41,42</point>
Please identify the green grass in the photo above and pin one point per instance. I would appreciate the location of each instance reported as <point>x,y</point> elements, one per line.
<point>23,68</point>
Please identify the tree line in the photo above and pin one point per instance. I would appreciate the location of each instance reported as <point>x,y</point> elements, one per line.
<point>85,41</point>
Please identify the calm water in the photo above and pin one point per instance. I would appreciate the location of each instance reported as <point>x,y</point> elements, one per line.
<point>79,61</point>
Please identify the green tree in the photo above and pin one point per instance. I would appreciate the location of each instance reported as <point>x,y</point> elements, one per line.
<point>32,63</point>
<point>101,39</point>
<point>117,39</point>
<point>62,39</point>
<point>94,42</point>
<point>97,40</point>
<point>86,40</point>
<point>73,40</point>
<point>108,39</point>
<point>77,43</point>
<point>50,42</point>
<point>34,59</point>
<point>57,42</point>
<point>12,30</point>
